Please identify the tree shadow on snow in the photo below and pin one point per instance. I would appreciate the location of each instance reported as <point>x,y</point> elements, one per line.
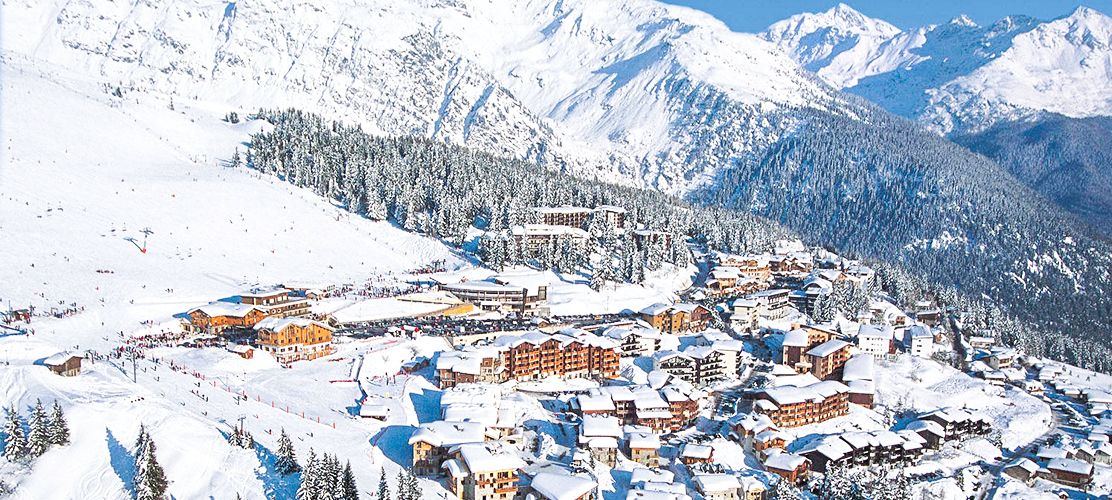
<point>122,460</point>
<point>393,441</point>
<point>275,485</point>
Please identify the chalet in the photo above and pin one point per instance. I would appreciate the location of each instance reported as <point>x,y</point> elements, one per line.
<point>1000,358</point>
<point>675,364</point>
<point>294,339</point>
<point>827,451</point>
<point>957,423</point>
<point>64,364</point>
<point>433,441</point>
<point>707,364</point>
<point>600,435</point>
<point>769,439</point>
<point>676,318</point>
<point>1023,469</point>
<point>791,467</point>
<point>635,341</point>
<point>1069,472</point>
<point>983,340</point>
<point>717,486</point>
<point>644,448</point>
<point>753,267</point>
<point>374,411</point>
<point>751,488</point>
<point>474,364</point>
<point>692,453</point>
<point>275,302</point>
<point>479,471</point>
<point>558,486</point>
<point>216,317</point>
<point>932,432</point>
<point>241,350</point>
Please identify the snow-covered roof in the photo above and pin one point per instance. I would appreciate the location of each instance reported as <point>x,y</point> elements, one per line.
<point>797,338</point>
<point>265,292</point>
<point>827,348</point>
<point>600,426</point>
<point>483,458</point>
<point>832,447</point>
<point>716,483</point>
<point>595,402</point>
<point>646,475</point>
<point>655,309</point>
<point>240,348</point>
<point>798,380</point>
<point>59,359</point>
<point>643,441</point>
<point>564,209</point>
<point>1026,464</point>
<point>785,461</point>
<point>815,392</point>
<point>859,367</point>
<point>1070,465</point>
<point>875,331</point>
<point>555,486</point>
<point>861,387</point>
<point>549,230</point>
<point>700,451</point>
<point>446,434</point>
<point>214,309</point>
<point>276,324</point>
<point>374,410</point>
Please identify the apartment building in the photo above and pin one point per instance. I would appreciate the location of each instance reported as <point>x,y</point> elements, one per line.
<point>796,406</point>
<point>532,356</point>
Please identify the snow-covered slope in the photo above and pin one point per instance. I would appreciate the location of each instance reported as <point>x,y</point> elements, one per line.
<point>635,91</point>
<point>959,76</point>
<point>82,172</point>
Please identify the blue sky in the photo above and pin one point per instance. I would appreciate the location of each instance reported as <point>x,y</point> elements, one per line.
<point>755,15</point>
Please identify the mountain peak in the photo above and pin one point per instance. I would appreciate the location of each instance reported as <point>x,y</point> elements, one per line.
<point>964,20</point>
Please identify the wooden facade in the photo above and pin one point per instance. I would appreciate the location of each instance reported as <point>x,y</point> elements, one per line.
<point>295,340</point>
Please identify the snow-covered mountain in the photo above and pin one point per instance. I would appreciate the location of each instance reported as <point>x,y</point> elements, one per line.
<point>634,91</point>
<point>959,76</point>
<point>840,45</point>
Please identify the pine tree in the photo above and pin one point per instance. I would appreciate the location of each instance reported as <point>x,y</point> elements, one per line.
<point>59,429</point>
<point>141,445</point>
<point>286,463</point>
<point>383,488</point>
<point>150,479</point>
<point>413,487</point>
<point>403,492</point>
<point>308,489</point>
<point>351,491</point>
<point>16,446</point>
<point>39,439</point>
